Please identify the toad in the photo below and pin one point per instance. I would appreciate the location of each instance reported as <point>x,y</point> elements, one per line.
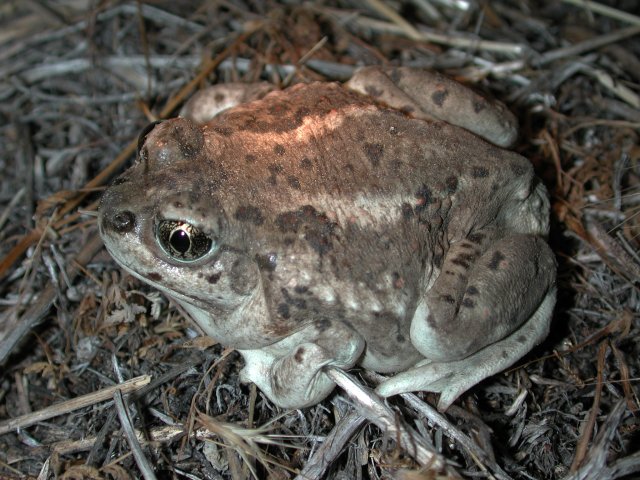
<point>380,224</point>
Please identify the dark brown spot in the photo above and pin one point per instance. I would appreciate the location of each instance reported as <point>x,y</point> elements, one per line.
<point>300,289</point>
<point>274,169</point>
<point>283,310</point>
<point>518,168</point>
<point>279,149</point>
<point>293,182</point>
<point>242,275</point>
<point>249,213</point>
<point>476,238</point>
<point>395,75</point>
<point>424,197</point>
<point>479,105</point>
<point>460,263</point>
<point>301,113</point>
<point>279,109</point>
<point>468,303</point>
<point>156,277</point>
<point>397,280</point>
<point>299,303</point>
<point>323,324</point>
<point>471,290</point>
<point>407,211</point>
<point>374,152</point>
<point>373,91</point>
<point>407,109</point>
<point>213,279</point>
<point>249,158</point>
<point>252,123</point>
<point>289,221</point>
<point>224,131</point>
<point>219,97</point>
<point>449,272</point>
<point>267,262</point>
<point>299,356</point>
<point>318,229</point>
<point>306,164</point>
<point>438,97</point>
<point>466,257</point>
<point>449,299</point>
<point>452,184</point>
<point>187,135</point>
<point>498,257</point>
<point>479,172</point>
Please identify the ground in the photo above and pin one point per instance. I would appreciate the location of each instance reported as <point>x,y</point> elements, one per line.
<point>79,80</point>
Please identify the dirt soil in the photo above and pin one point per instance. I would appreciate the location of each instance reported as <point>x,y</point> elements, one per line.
<point>101,377</point>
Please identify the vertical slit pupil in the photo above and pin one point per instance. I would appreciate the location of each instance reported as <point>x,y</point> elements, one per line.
<point>180,241</point>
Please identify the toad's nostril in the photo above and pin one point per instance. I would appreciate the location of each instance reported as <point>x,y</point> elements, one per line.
<point>123,222</point>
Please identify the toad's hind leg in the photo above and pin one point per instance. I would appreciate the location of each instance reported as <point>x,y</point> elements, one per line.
<point>480,316</point>
<point>429,95</point>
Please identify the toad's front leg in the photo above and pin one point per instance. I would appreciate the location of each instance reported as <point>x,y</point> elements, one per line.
<point>484,312</point>
<point>290,372</point>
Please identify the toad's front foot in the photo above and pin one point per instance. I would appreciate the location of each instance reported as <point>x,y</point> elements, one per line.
<point>296,379</point>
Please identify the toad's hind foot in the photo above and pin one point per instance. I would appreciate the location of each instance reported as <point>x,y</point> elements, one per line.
<point>453,378</point>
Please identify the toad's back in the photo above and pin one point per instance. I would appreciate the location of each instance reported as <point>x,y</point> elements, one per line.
<point>327,147</point>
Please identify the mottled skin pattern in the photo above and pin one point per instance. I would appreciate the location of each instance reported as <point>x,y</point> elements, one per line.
<point>346,232</point>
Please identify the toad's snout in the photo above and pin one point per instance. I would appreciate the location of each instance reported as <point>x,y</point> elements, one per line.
<point>116,217</point>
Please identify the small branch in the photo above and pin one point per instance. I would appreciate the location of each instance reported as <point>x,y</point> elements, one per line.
<point>125,420</point>
<point>606,11</point>
<point>596,459</point>
<point>432,415</point>
<point>583,442</point>
<point>370,406</point>
<point>332,447</point>
<point>12,331</point>
<point>384,9</point>
<point>73,404</point>
<point>586,46</point>
<point>458,41</point>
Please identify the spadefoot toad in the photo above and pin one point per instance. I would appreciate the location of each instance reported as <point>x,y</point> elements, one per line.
<point>344,225</point>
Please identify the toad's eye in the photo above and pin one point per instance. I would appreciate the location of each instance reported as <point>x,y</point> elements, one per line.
<point>182,241</point>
